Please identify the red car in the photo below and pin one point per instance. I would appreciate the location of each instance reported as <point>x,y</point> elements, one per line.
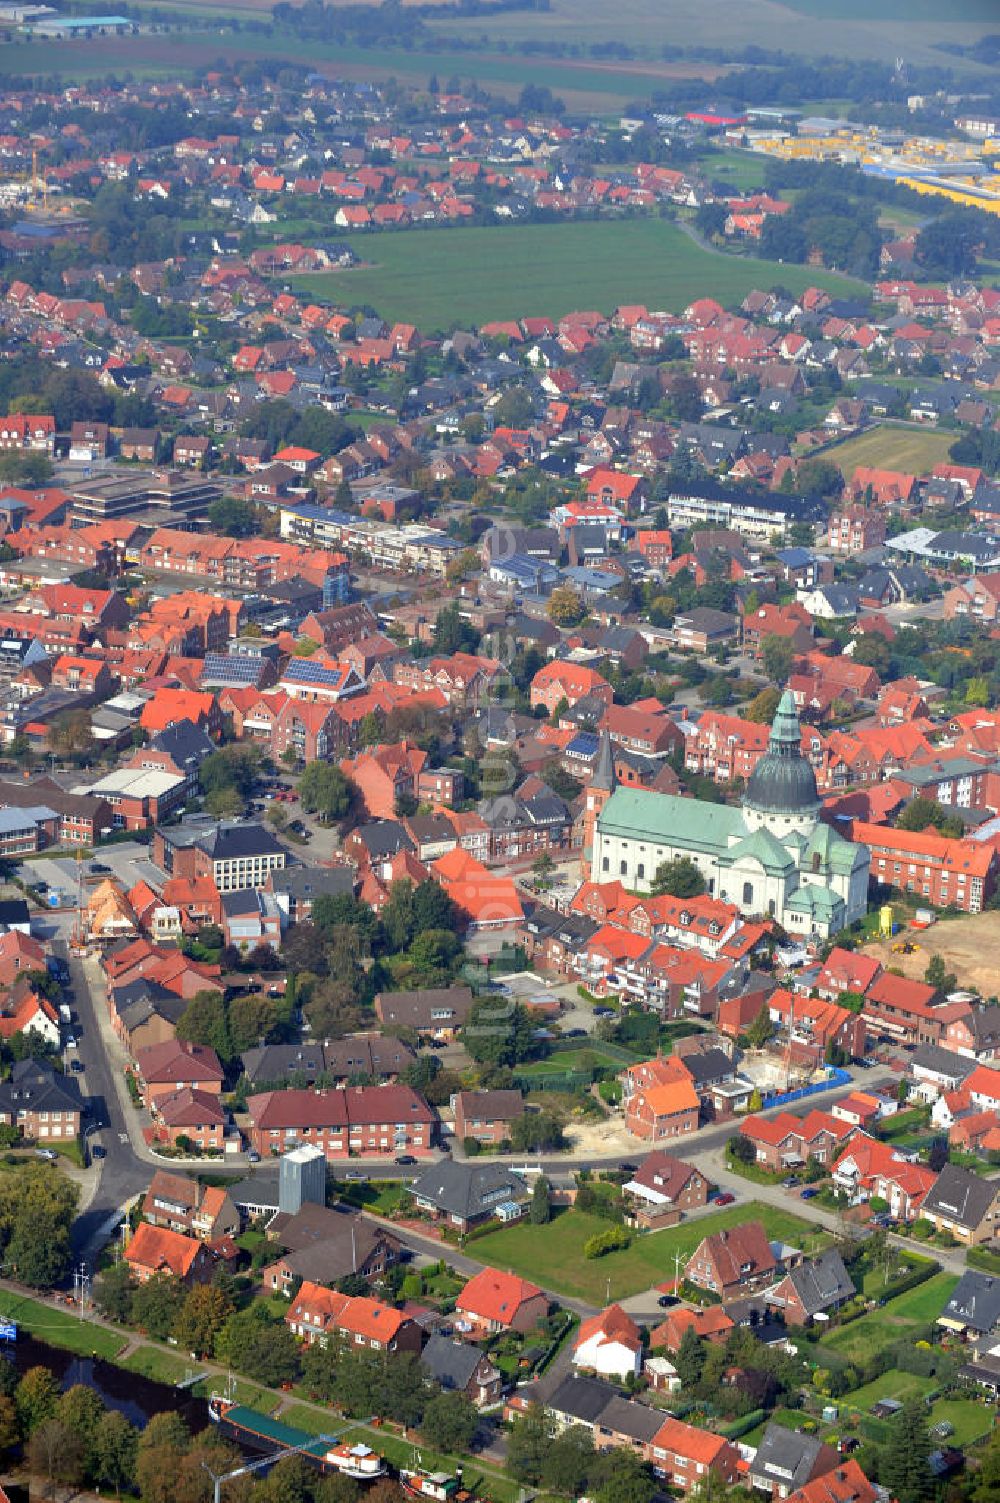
<point>725,1199</point>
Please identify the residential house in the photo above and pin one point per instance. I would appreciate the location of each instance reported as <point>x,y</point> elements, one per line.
<point>609,1344</point>
<point>370,1120</point>
<point>39,1102</point>
<point>164,1069</point>
<point>732,1262</point>
<point>487,1115</point>
<point>964,1205</point>
<point>184,1205</point>
<point>815,1288</point>
<point>787,1459</point>
<point>868,1168</point>
<point>153,1250</point>
<point>462,1367</point>
<point>435,1012</point>
<point>495,1301</point>
<point>321,1245</point>
<point>664,1187</point>
<point>465,1193</point>
<point>317,1313</point>
<point>684,1454</point>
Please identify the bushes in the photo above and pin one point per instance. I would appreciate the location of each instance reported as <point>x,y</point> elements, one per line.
<point>615,1239</point>
<point>739,1427</point>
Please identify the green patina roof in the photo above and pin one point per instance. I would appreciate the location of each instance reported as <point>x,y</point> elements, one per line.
<point>813,899</point>
<point>763,847</point>
<point>834,851</point>
<point>639,814</point>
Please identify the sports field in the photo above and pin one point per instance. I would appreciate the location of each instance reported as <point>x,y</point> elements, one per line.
<point>915,451</point>
<point>552,1255</point>
<point>441,278</point>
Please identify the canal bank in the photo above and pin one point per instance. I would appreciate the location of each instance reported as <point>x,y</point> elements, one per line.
<point>62,1330</point>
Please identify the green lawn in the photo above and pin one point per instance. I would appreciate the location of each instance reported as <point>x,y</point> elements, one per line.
<point>917,1307</point>
<point>971,1421</point>
<point>915,451</point>
<point>552,1255</point>
<point>890,1385</point>
<point>562,1060</point>
<point>58,1325</point>
<point>743,169</point>
<point>446,277</point>
<point>165,1367</point>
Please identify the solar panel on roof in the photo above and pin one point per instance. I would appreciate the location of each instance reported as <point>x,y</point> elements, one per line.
<point>300,671</point>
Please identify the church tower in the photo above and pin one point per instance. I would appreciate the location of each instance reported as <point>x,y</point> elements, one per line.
<point>601,786</point>
<point>781,794</point>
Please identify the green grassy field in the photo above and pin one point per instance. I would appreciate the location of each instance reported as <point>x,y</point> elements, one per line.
<point>743,169</point>
<point>915,451</point>
<point>570,1059</point>
<point>552,1255</point>
<point>899,1318</point>
<point>971,1421</point>
<point>890,1385</point>
<point>60,1326</point>
<point>446,277</point>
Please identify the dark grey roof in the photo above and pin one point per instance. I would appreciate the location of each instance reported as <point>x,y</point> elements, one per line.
<point>821,1282</point>
<point>942,1061</point>
<point>975,1302</point>
<point>468,1190</point>
<point>383,837</point>
<point>227,842</point>
<point>961,1197</point>
<point>13,911</point>
<point>582,1399</point>
<point>784,1457</point>
<point>713,1064</point>
<point>186,742</point>
<point>307,883</point>
<point>450,1363</point>
<point>361,1054</point>
<point>35,1086</point>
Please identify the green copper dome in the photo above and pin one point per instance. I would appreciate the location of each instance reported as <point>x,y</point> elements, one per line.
<point>783,782</point>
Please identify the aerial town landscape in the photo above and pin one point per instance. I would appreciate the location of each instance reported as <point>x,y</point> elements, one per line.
<point>500,751</point>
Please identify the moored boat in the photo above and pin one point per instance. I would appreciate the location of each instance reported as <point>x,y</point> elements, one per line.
<point>354,1459</point>
<point>261,1433</point>
<point>438,1487</point>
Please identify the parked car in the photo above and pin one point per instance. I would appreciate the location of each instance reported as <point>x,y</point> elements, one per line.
<point>47,1154</point>
<point>575,1033</point>
<point>76,1065</point>
<point>789,1182</point>
<point>725,1199</point>
<point>98,866</point>
<point>808,1193</point>
<point>97,1152</point>
<point>604,1012</point>
<point>666,1300</point>
<point>356,1177</point>
<point>405,1158</point>
<point>253,1156</point>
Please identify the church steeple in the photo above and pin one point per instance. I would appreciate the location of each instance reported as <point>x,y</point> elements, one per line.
<point>600,786</point>
<point>603,775</point>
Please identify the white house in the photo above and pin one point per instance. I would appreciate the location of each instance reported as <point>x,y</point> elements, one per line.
<point>609,1344</point>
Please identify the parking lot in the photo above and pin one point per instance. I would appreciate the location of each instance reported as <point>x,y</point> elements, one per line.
<point>128,862</point>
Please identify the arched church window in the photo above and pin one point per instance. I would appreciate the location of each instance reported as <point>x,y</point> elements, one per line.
<point>748,892</point>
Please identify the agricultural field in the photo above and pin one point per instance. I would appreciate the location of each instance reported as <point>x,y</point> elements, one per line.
<point>915,451</point>
<point>441,278</point>
<point>552,1255</point>
<point>743,169</point>
<point>901,1317</point>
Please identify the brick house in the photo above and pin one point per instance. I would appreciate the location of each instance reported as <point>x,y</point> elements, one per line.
<point>659,1100</point>
<point>40,1102</point>
<point>317,1313</point>
<point>487,1115</point>
<point>190,1117</point>
<point>495,1301</point>
<point>870,1168</point>
<point>371,1120</point>
<point>184,1205</point>
<point>155,1249</point>
<point>460,1367</point>
<point>965,1205</point>
<point>665,1186</point>
<point>683,1454</point>
<point>937,869</point>
<point>814,1288</point>
<point>736,1261</point>
<point>785,1141</point>
<point>164,1069</point>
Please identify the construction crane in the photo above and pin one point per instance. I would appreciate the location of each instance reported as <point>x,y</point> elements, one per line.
<point>36,179</point>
